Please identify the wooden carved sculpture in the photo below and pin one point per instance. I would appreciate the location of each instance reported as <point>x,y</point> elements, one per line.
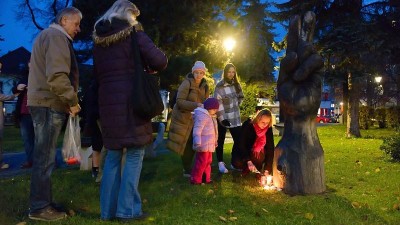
<point>299,157</point>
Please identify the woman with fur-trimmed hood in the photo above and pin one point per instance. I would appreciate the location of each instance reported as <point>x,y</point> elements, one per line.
<point>114,69</point>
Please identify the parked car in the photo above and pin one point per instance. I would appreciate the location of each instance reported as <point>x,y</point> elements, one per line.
<point>322,119</point>
<point>333,119</point>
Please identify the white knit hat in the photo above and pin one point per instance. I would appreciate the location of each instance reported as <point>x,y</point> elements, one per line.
<point>199,65</point>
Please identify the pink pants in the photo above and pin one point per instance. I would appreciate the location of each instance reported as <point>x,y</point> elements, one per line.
<point>202,164</point>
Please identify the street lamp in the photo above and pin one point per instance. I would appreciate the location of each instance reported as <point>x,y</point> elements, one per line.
<point>378,79</point>
<point>229,44</point>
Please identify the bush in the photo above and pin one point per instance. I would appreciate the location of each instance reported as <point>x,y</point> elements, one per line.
<point>392,117</point>
<point>248,106</point>
<point>380,116</point>
<point>364,117</point>
<point>391,146</point>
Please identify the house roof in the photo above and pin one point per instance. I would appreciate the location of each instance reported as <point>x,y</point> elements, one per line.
<point>15,62</point>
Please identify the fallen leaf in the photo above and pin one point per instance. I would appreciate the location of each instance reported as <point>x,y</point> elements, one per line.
<point>222,218</point>
<point>233,218</point>
<point>356,205</point>
<point>231,211</point>
<point>396,206</point>
<point>367,173</point>
<point>384,208</point>
<point>21,223</point>
<point>210,192</point>
<point>309,216</point>
<point>264,210</point>
<point>377,170</point>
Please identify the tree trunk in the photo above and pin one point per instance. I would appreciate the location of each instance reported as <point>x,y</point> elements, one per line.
<point>353,125</point>
<point>1,131</point>
<point>345,102</point>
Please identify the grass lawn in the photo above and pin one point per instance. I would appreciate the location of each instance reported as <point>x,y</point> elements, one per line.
<point>12,141</point>
<point>363,187</point>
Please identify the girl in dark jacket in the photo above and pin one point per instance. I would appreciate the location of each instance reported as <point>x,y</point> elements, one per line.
<point>121,127</point>
<point>255,150</point>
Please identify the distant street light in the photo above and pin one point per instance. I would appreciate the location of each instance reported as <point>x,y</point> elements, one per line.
<point>229,44</point>
<point>378,79</point>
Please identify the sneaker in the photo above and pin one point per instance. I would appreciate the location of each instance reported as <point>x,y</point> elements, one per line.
<point>222,168</point>
<point>236,169</point>
<point>4,166</point>
<point>47,214</point>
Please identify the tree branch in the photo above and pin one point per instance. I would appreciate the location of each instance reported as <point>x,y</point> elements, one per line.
<point>33,16</point>
<point>54,7</point>
<point>66,3</point>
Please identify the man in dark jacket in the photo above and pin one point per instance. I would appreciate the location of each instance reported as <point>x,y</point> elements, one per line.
<point>52,93</point>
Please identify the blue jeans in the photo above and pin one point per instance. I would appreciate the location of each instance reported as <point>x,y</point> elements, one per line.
<point>119,193</point>
<point>47,124</point>
<point>28,135</point>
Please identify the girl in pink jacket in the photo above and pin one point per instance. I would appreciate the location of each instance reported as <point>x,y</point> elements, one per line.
<point>205,135</point>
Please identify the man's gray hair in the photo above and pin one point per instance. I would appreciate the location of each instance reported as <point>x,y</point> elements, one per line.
<point>69,11</point>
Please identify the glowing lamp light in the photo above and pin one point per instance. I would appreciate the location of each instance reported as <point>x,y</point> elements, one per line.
<point>229,44</point>
<point>378,79</point>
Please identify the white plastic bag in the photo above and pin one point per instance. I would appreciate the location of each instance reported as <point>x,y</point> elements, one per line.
<point>72,141</point>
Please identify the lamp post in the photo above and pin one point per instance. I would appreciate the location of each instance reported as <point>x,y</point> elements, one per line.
<point>379,89</point>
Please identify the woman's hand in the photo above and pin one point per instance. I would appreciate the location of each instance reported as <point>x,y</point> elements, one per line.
<point>251,166</point>
<point>21,87</point>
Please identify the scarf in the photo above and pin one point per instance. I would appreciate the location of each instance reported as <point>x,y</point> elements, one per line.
<point>260,141</point>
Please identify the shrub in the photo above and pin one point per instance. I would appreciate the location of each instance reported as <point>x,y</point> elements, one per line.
<point>391,146</point>
<point>364,117</point>
<point>248,106</point>
<point>380,116</point>
<point>392,117</point>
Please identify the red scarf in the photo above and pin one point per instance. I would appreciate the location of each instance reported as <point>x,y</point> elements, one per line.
<point>260,141</point>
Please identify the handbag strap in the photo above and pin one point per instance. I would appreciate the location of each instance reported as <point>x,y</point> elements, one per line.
<point>136,52</point>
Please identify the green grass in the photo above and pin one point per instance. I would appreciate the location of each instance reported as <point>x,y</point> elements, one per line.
<point>362,188</point>
<point>12,141</point>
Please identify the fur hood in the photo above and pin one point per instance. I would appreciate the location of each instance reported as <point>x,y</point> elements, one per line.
<point>107,33</point>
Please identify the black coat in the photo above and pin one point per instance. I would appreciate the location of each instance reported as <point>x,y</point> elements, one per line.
<point>114,70</point>
<point>243,152</point>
